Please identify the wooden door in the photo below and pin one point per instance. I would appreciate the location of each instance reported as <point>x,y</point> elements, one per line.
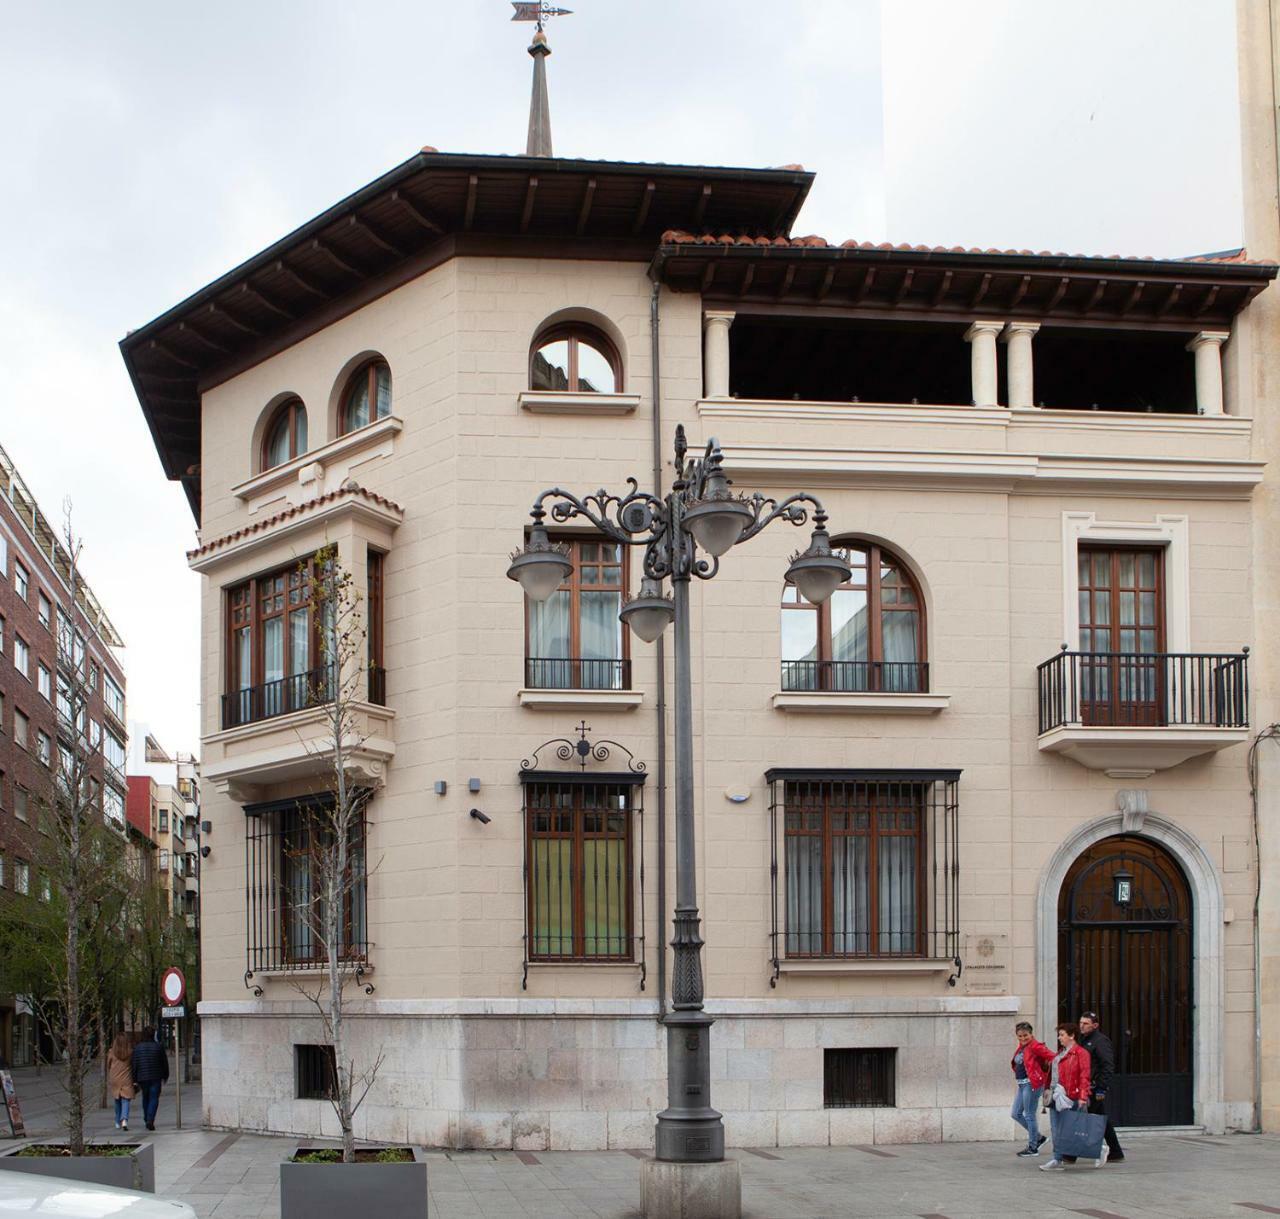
<point>1132,965</point>
<point>1122,675</point>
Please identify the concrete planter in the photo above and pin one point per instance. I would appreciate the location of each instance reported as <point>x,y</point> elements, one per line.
<point>339,1191</point>
<point>137,1170</point>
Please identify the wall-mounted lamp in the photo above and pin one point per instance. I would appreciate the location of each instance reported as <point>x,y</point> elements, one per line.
<point>204,852</point>
<point>206,827</point>
<point>1122,887</point>
<point>480,817</point>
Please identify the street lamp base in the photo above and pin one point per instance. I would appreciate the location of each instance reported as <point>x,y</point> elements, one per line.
<point>689,1129</point>
<point>691,1191</point>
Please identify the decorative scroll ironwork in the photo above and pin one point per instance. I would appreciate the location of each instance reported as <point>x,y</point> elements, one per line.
<point>582,751</point>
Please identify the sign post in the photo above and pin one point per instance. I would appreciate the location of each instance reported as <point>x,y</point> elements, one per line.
<point>173,989</point>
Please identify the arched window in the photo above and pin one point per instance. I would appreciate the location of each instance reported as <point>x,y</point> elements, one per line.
<point>286,435</point>
<point>575,358</point>
<point>367,396</point>
<point>868,637</point>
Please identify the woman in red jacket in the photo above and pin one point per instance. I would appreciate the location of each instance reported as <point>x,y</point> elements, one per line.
<point>1030,1066</point>
<point>1068,1085</point>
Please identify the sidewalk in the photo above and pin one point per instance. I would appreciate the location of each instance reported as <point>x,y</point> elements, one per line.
<point>1176,1176</point>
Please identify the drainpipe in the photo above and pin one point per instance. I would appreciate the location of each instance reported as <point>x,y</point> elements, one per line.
<point>661,658</point>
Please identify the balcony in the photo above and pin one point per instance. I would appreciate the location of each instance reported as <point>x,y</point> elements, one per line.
<point>571,683</point>
<point>858,686</point>
<point>1133,714</point>
<point>282,731</point>
<point>280,697</point>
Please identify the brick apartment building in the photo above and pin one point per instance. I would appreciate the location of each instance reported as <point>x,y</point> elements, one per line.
<point>35,613</point>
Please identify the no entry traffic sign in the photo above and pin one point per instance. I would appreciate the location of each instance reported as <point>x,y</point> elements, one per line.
<point>173,987</point>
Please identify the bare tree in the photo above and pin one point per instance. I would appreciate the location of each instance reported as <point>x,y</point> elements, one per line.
<point>327,861</point>
<point>65,933</point>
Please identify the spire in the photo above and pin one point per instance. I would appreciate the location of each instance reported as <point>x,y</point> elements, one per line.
<point>539,106</point>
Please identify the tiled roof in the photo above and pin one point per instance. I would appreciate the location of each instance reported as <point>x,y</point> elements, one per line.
<point>680,237</point>
<point>351,489</point>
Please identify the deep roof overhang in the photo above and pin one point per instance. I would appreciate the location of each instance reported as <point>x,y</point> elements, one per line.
<point>755,275</point>
<point>429,208</point>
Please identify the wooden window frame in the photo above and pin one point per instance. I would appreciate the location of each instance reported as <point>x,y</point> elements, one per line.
<point>369,371</point>
<point>577,835</point>
<point>874,833</point>
<point>1119,710</point>
<point>293,407</point>
<point>575,587</point>
<point>293,581</point>
<point>575,333</point>
<point>876,555</point>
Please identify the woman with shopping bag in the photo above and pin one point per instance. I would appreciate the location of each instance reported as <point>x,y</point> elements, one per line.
<point>1070,1122</point>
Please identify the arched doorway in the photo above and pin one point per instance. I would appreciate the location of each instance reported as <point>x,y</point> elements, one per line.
<point>1131,963</point>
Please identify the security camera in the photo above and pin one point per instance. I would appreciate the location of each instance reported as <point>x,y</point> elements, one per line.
<point>480,817</point>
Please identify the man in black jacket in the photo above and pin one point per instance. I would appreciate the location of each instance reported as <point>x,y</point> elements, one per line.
<point>150,1067</point>
<point>1102,1069</point>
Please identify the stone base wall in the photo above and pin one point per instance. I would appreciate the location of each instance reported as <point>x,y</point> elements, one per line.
<point>585,1075</point>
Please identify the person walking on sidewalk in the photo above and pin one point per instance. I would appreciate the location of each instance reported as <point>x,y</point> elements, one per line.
<point>150,1069</point>
<point>1102,1069</point>
<point>120,1078</point>
<point>1068,1087</point>
<point>1028,1064</point>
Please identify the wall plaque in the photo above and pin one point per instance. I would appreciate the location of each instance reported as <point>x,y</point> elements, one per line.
<point>986,964</point>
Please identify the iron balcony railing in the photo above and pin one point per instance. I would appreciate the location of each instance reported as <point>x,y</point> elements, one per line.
<point>857,676</point>
<point>1144,690</point>
<point>293,693</point>
<point>576,673</point>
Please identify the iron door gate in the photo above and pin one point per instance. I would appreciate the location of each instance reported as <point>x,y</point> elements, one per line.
<point>1131,963</point>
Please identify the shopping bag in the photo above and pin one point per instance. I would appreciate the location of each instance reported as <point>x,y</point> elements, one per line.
<point>1078,1132</point>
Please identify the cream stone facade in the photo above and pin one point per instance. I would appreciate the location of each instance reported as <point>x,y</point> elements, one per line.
<point>986,506</point>
<point>1257,367</point>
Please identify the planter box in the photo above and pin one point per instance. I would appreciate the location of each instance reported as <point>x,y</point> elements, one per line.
<point>137,1170</point>
<point>338,1191</point>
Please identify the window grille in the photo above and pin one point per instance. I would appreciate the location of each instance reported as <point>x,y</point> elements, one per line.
<point>283,910</point>
<point>859,1079</point>
<point>315,1072</point>
<point>864,864</point>
<point>583,868</point>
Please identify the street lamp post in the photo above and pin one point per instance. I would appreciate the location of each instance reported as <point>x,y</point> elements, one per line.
<point>699,514</point>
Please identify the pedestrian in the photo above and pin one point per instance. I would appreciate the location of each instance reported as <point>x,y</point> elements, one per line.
<point>120,1078</point>
<point>150,1069</point>
<point>1102,1056</point>
<point>1029,1064</point>
<point>1068,1088</point>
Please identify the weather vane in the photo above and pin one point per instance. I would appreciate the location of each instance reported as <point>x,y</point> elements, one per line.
<point>536,10</point>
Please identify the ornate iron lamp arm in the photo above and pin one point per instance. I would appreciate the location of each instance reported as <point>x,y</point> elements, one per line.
<point>633,519</point>
<point>769,510</point>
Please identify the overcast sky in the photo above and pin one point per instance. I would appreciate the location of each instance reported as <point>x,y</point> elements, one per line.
<point>148,147</point>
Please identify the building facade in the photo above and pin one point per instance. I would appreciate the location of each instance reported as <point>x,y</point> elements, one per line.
<point>41,633</point>
<point>1259,358</point>
<point>168,799</point>
<point>1001,774</point>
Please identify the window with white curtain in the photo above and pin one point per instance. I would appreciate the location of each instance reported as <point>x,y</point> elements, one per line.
<point>575,639</point>
<point>868,636</point>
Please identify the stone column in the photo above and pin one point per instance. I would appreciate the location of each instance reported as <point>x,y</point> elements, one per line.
<point>1018,336</point>
<point>715,353</point>
<point>1207,346</point>
<point>981,337</point>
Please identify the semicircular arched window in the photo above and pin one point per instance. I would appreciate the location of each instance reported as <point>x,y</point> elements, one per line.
<point>868,637</point>
<point>367,396</point>
<point>286,434</point>
<point>575,359</point>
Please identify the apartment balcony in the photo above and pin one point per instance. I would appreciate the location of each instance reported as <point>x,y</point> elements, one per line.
<point>572,683</point>
<point>1133,714</point>
<point>281,731</point>
<point>192,884</point>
